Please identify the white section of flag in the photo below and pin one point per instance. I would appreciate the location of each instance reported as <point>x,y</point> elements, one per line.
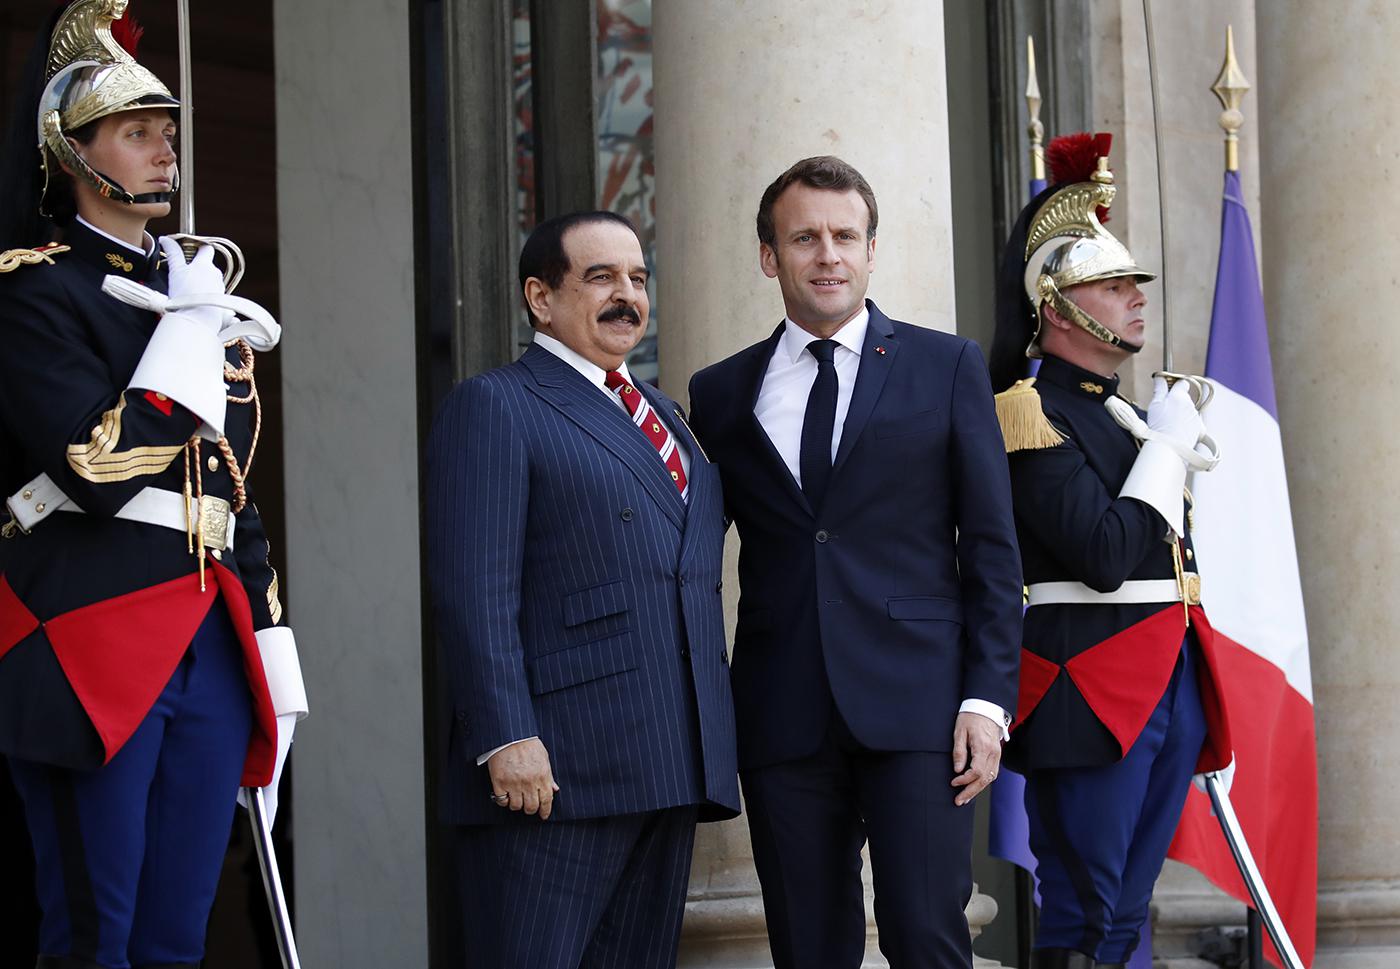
<point>1243,536</point>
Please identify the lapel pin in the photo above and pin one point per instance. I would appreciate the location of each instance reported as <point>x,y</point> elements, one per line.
<point>880,350</point>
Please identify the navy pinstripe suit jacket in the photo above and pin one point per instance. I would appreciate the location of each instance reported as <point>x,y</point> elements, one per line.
<point>577,597</point>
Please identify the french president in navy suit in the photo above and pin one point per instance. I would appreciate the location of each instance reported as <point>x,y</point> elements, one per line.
<point>879,626</point>
<point>576,534</point>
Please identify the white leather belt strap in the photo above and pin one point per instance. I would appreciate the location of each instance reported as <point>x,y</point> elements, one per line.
<point>1131,592</point>
<point>40,498</point>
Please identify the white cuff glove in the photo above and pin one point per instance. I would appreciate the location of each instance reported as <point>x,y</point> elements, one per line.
<point>1226,774</point>
<point>1158,479</point>
<point>286,724</point>
<point>1172,419</point>
<point>184,359</point>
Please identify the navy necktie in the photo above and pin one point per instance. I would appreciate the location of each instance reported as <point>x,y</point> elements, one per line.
<point>819,425</point>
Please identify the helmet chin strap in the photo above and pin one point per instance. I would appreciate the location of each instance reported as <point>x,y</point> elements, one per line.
<point>1070,310</point>
<point>107,187</point>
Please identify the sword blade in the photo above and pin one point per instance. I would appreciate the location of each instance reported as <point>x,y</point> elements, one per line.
<point>272,878</point>
<point>186,121</point>
<point>1244,858</point>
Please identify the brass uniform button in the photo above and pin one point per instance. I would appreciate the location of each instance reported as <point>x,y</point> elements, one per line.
<point>1190,555</point>
<point>213,463</point>
<point>27,495</point>
<point>161,397</point>
<point>40,507</point>
<point>217,553</point>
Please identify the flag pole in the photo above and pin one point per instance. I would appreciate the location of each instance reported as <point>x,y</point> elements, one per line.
<point>1035,129</point>
<point>1230,88</point>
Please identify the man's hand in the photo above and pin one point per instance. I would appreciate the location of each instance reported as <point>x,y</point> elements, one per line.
<point>521,774</point>
<point>976,755</point>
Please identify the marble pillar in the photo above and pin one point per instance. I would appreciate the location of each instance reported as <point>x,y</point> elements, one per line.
<point>349,385</point>
<point>744,88</point>
<point>1330,105</point>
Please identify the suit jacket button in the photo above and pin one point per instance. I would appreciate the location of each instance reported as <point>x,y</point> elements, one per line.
<point>822,536</point>
<point>626,514</point>
<point>719,586</point>
<point>685,652</point>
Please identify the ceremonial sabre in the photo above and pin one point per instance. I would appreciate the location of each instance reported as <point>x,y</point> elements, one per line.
<point>1161,185</point>
<point>1244,858</point>
<point>190,243</point>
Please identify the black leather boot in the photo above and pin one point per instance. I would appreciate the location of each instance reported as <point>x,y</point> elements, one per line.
<point>1061,959</point>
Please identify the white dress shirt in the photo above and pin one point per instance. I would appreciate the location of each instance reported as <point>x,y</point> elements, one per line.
<point>595,375</point>
<point>782,406</point>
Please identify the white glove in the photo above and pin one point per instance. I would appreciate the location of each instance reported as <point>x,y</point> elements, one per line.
<point>1226,774</point>
<point>1170,435</point>
<point>184,359</point>
<point>1172,414</point>
<point>286,724</point>
<point>193,279</point>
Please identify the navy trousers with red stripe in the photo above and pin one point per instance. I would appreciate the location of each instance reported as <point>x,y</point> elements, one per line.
<point>1100,834</point>
<point>128,856</point>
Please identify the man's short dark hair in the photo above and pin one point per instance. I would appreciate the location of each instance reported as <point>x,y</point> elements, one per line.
<point>543,256</point>
<point>820,171</point>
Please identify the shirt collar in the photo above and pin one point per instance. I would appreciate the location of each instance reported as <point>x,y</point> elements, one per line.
<point>591,372</point>
<point>108,254</point>
<point>145,237</point>
<point>1074,378</point>
<point>851,335</point>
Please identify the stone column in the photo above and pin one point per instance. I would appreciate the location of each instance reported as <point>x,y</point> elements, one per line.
<point>743,90</point>
<point>1330,114</point>
<point>350,387</point>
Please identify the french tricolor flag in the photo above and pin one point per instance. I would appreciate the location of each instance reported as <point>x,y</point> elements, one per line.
<point>1248,562</point>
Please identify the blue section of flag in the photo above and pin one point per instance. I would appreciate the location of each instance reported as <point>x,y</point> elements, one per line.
<point>1238,355</point>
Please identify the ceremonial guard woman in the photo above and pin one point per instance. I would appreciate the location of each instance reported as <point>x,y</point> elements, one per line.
<point>1118,702</point>
<point>145,674</point>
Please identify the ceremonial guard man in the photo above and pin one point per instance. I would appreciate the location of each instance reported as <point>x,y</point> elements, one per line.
<point>144,672</point>
<point>1117,705</point>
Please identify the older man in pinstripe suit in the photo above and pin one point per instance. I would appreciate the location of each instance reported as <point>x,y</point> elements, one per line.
<point>576,534</point>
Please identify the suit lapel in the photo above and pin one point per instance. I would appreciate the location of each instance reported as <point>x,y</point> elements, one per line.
<point>751,379</point>
<point>586,406</point>
<point>876,358</point>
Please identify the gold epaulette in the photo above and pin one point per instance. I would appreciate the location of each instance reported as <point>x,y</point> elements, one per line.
<point>1024,426</point>
<point>12,259</point>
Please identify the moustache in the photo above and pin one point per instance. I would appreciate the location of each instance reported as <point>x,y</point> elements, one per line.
<point>619,313</point>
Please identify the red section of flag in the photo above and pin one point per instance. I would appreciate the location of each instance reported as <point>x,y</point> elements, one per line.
<point>1274,795</point>
<point>1037,675</point>
<point>16,621</point>
<point>119,653</point>
<point>1123,677</point>
<point>160,402</point>
<point>262,745</point>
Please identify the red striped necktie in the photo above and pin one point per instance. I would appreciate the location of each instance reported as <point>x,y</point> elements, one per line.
<point>652,426</point>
